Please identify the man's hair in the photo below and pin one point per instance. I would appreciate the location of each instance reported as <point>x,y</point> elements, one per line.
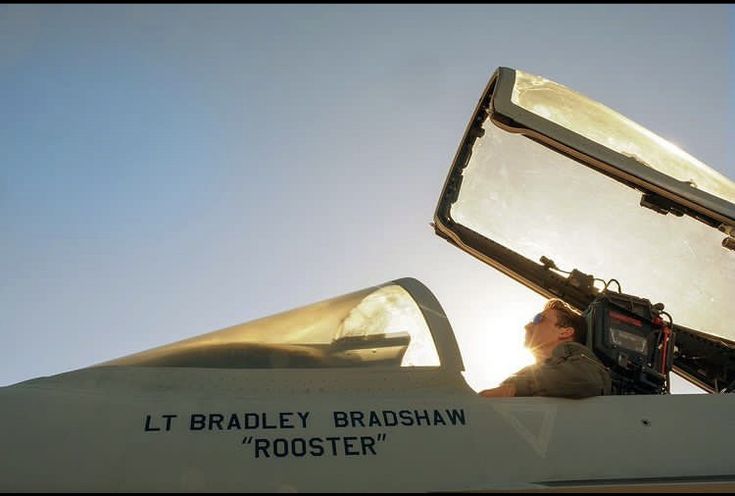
<point>566,316</point>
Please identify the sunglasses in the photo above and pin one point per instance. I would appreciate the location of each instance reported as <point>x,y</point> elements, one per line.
<point>538,318</point>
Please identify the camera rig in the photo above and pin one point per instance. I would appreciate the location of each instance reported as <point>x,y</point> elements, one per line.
<point>629,335</point>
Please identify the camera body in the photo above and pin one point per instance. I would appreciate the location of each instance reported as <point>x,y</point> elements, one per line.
<point>629,336</point>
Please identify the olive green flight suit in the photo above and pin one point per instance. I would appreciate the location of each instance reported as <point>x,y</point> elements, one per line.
<point>572,371</point>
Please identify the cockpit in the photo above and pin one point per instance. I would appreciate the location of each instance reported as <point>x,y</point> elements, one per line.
<point>565,196</point>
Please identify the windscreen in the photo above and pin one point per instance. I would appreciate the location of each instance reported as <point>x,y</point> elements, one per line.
<point>379,326</point>
<point>538,202</point>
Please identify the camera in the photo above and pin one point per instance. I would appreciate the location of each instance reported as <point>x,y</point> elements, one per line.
<point>630,337</point>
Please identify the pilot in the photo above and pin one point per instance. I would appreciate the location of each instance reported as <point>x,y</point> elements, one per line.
<point>564,366</point>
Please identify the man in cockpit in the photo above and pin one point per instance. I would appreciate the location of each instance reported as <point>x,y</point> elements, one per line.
<point>564,366</point>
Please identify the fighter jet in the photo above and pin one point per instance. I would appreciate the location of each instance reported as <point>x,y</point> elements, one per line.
<point>365,391</point>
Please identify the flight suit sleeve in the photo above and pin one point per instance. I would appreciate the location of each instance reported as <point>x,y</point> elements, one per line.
<point>568,375</point>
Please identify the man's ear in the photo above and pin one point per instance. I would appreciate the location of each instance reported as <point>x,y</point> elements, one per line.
<point>566,333</point>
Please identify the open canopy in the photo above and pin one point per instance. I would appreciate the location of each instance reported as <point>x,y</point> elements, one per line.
<point>548,178</point>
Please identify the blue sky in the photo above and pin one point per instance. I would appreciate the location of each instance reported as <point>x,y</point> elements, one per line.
<point>174,169</point>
